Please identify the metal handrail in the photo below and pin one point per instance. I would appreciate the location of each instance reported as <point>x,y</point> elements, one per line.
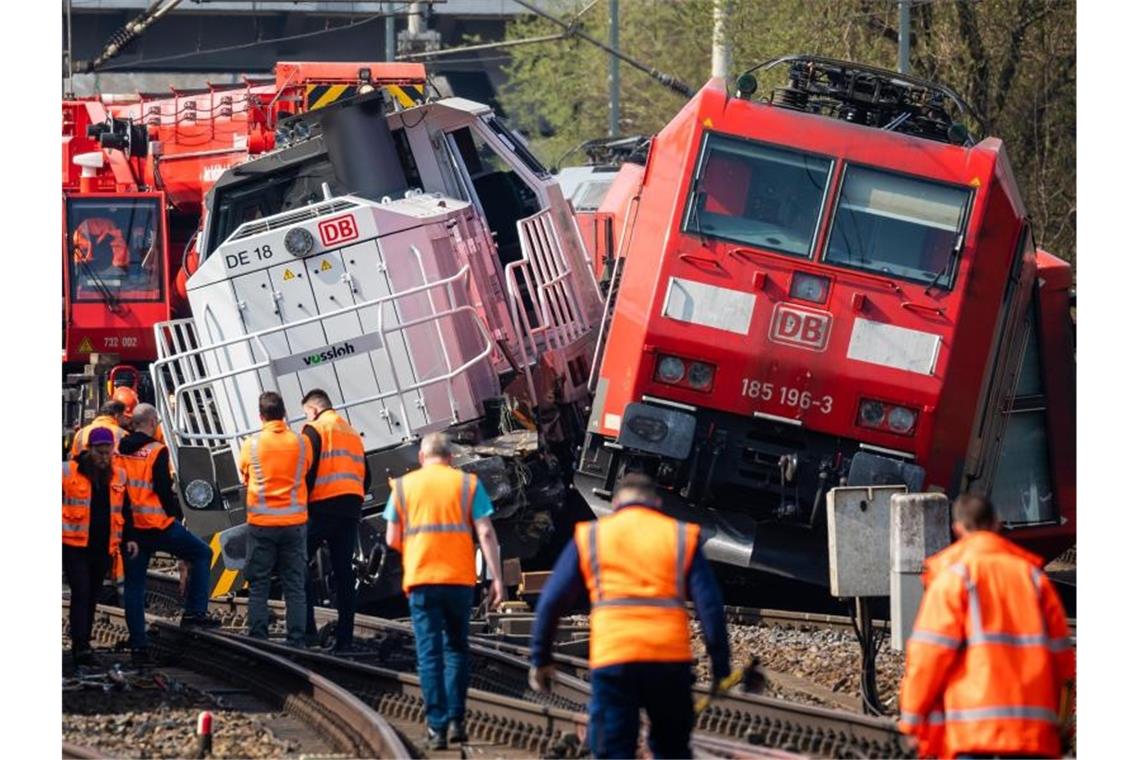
<point>255,339</point>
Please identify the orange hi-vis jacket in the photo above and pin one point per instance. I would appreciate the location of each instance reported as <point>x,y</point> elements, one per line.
<point>340,469</point>
<point>146,508</point>
<point>989,656</point>
<point>79,442</point>
<point>95,230</point>
<point>77,505</point>
<point>436,543</point>
<point>635,562</point>
<point>273,464</point>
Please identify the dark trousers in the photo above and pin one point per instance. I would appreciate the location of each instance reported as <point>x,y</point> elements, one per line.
<point>85,569</point>
<point>339,530</point>
<point>280,550</point>
<point>441,616</point>
<point>619,692</point>
<point>175,540</point>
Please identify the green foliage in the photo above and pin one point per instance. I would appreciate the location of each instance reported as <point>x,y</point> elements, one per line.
<point>1014,60</point>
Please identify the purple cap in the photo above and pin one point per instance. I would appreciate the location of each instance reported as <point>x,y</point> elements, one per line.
<point>100,436</point>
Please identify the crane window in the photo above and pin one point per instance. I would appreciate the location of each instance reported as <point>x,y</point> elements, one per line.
<point>758,195</point>
<point>115,249</point>
<point>899,226</point>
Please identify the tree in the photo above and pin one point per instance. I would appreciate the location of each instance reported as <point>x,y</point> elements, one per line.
<point>1014,60</point>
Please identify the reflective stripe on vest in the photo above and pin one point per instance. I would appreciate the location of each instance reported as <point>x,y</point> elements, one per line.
<point>980,637</point>
<point>340,467</point>
<point>260,507</point>
<point>77,524</point>
<point>640,601</point>
<point>438,546</point>
<point>146,506</point>
<point>635,565</point>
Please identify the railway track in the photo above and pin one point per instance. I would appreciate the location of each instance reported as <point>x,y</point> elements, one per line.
<point>499,669</point>
<point>347,725</point>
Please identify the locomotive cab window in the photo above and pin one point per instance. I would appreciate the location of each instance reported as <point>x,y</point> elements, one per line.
<point>116,249</point>
<point>758,195</point>
<point>899,226</point>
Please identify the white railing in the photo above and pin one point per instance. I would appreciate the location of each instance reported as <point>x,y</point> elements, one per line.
<point>545,277</point>
<point>193,417</point>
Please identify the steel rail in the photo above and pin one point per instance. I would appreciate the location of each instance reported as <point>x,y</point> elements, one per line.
<point>332,712</point>
<point>754,720</point>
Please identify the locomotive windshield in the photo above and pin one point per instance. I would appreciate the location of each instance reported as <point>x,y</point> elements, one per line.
<point>115,249</point>
<point>759,195</point>
<point>901,226</point>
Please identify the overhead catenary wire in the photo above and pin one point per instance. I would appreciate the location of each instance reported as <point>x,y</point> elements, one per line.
<point>246,45</point>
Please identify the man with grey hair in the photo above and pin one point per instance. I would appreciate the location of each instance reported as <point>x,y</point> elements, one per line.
<point>432,513</point>
<point>155,525</point>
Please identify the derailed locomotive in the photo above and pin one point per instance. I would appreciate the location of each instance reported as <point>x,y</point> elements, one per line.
<point>833,286</point>
<point>419,265</point>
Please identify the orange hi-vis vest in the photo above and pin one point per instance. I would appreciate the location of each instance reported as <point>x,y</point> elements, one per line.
<point>273,463</point>
<point>340,470</point>
<point>77,505</point>
<point>635,563</point>
<point>436,543</point>
<point>146,508</point>
<point>95,230</point>
<point>989,655</point>
<point>79,442</point>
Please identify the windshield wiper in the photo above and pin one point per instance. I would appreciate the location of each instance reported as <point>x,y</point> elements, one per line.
<point>949,266</point>
<point>105,293</point>
<point>698,202</point>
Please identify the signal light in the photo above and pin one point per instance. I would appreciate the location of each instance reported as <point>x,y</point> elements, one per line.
<point>893,418</point>
<point>696,375</point>
<point>809,287</point>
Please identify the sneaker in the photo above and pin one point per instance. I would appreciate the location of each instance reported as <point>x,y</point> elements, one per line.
<point>436,740</point>
<point>199,620</point>
<point>456,731</point>
<point>140,658</point>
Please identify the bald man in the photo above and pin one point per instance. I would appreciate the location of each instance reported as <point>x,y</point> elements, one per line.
<point>432,513</point>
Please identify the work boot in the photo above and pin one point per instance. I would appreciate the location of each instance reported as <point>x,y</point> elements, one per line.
<point>436,740</point>
<point>84,658</point>
<point>199,620</point>
<point>456,731</point>
<point>140,658</point>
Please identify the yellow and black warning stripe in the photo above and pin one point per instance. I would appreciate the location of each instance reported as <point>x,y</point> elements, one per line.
<point>321,95</point>
<point>407,95</point>
<point>222,580</point>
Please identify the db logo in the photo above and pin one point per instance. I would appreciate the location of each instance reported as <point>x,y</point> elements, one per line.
<point>338,230</point>
<point>794,326</point>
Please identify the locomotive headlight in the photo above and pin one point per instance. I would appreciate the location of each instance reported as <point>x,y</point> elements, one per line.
<point>700,376</point>
<point>901,420</point>
<point>298,241</point>
<point>808,287</point>
<point>670,369</point>
<point>871,413</point>
<point>198,494</point>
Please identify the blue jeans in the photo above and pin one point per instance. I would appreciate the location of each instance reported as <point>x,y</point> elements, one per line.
<point>441,616</point>
<point>176,540</point>
<point>664,689</point>
<point>281,549</point>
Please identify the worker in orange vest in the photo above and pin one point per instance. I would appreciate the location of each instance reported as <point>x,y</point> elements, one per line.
<point>638,566</point>
<point>989,664</point>
<point>94,500</point>
<point>156,526</point>
<point>273,464</point>
<point>339,478</point>
<point>112,416</point>
<point>95,230</point>
<point>431,514</point>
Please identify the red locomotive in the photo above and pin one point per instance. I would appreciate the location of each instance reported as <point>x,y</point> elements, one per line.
<point>833,286</point>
